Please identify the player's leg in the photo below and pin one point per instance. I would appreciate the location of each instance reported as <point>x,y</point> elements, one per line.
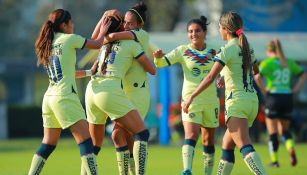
<point>130,142</point>
<point>228,157</point>
<point>208,149</point>
<point>80,131</point>
<point>271,125</point>
<point>51,137</point>
<point>238,129</point>
<point>191,133</point>
<point>134,124</point>
<point>287,140</point>
<point>122,151</point>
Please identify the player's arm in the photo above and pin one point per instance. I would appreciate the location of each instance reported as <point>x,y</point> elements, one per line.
<point>258,79</point>
<point>299,84</point>
<point>114,12</point>
<point>125,35</point>
<point>146,64</point>
<point>87,73</point>
<point>96,43</point>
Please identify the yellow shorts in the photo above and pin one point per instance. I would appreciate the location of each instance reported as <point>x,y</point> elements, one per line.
<point>105,98</point>
<point>241,108</point>
<point>141,100</point>
<point>62,111</point>
<point>205,115</point>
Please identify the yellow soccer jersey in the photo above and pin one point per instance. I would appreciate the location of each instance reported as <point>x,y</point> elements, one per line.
<point>120,58</point>
<point>196,65</point>
<point>230,56</point>
<point>136,77</point>
<point>61,70</point>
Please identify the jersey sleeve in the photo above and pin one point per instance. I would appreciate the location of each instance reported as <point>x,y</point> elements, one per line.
<point>222,56</point>
<point>140,35</point>
<point>137,50</point>
<point>295,68</point>
<point>170,58</point>
<point>77,41</point>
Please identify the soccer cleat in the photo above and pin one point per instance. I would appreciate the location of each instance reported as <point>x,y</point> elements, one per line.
<point>293,157</point>
<point>186,172</point>
<point>274,164</point>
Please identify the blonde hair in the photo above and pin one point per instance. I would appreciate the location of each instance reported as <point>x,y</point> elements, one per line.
<point>234,24</point>
<point>275,47</point>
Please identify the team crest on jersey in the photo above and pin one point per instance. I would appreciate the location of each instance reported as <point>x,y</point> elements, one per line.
<point>199,58</point>
<point>195,71</point>
<point>192,115</point>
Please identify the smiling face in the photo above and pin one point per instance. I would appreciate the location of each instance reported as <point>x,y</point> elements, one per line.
<point>130,21</point>
<point>196,34</point>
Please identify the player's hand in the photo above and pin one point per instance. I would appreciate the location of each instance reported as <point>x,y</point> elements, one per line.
<point>158,53</point>
<point>220,82</point>
<point>115,13</point>
<point>94,68</point>
<point>106,22</point>
<point>186,105</point>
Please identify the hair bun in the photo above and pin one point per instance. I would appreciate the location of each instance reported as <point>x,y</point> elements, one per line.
<point>203,19</point>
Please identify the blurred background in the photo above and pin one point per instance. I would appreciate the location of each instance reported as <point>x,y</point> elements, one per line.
<point>22,83</point>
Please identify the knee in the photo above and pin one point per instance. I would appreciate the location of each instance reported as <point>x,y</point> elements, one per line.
<point>142,136</point>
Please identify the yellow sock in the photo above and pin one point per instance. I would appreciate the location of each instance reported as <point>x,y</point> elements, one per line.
<point>37,165</point>
<point>208,163</point>
<point>89,163</point>
<point>187,156</point>
<point>289,144</point>
<point>140,152</point>
<point>224,168</point>
<point>252,160</point>
<point>131,166</point>
<point>123,161</point>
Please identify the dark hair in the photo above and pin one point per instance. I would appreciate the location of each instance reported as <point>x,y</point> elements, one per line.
<point>202,22</point>
<point>139,10</point>
<point>233,22</point>
<point>116,26</point>
<point>50,27</point>
<point>275,47</point>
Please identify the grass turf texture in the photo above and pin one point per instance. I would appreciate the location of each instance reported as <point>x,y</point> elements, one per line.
<point>16,156</point>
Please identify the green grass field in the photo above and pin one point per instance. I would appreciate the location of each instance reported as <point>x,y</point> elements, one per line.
<point>16,155</point>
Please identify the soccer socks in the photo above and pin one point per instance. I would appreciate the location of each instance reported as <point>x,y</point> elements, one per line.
<point>96,151</point>
<point>252,160</point>
<point>88,159</point>
<point>131,165</point>
<point>140,151</point>
<point>122,157</point>
<point>273,147</point>
<point>208,155</point>
<point>40,158</point>
<point>287,139</point>
<point>226,163</point>
<point>188,153</point>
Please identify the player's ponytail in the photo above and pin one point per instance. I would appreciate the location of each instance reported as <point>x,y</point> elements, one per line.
<point>43,44</point>
<point>234,24</point>
<point>116,26</point>
<point>275,47</point>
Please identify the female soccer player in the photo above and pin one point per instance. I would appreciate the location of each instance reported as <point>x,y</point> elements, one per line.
<point>278,73</point>
<point>135,82</point>
<point>196,59</point>
<point>237,60</point>
<point>56,50</point>
<point>105,96</point>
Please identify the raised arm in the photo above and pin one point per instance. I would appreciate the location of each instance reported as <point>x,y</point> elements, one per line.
<point>125,35</point>
<point>96,43</point>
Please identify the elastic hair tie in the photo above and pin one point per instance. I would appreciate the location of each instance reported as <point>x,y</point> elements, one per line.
<point>239,32</point>
<point>137,14</point>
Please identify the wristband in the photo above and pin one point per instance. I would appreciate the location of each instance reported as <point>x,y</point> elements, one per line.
<point>88,73</point>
